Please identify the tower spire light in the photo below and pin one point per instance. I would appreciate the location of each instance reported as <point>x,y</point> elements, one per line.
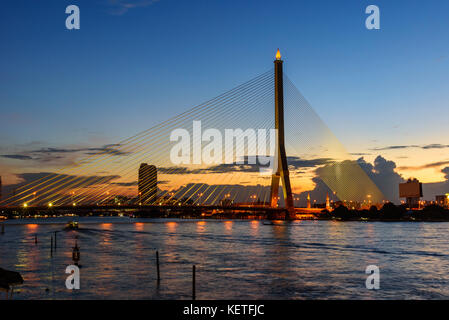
<point>278,55</point>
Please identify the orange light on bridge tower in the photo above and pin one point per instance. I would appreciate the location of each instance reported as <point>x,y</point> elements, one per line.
<point>278,55</point>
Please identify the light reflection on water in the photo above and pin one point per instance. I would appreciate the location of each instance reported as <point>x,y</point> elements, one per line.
<point>235,259</point>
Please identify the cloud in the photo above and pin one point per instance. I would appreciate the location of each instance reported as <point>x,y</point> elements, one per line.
<point>51,154</point>
<point>298,163</point>
<point>383,173</point>
<point>425,147</point>
<point>430,190</point>
<point>446,172</point>
<point>120,7</point>
<point>360,154</point>
<point>106,149</point>
<point>50,183</point>
<point>294,163</point>
<point>426,166</point>
<point>350,181</point>
<point>16,156</point>
<point>125,184</point>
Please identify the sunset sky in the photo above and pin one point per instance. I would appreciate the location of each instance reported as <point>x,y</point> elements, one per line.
<point>65,94</point>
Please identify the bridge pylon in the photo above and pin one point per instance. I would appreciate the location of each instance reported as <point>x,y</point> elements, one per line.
<point>281,166</point>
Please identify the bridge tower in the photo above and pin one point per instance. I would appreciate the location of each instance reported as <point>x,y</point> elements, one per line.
<point>281,165</point>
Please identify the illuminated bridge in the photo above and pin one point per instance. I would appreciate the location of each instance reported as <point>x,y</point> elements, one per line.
<point>186,163</point>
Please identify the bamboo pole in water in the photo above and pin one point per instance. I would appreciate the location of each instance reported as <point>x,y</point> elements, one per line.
<point>193,283</point>
<point>157,267</point>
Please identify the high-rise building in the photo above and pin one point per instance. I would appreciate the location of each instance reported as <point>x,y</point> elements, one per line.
<point>412,191</point>
<point>147,184</point>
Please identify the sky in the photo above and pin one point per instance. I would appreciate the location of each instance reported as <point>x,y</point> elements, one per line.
<point>136,63</point>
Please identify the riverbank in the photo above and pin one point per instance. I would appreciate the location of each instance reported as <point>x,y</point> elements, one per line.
<point>388,213</point>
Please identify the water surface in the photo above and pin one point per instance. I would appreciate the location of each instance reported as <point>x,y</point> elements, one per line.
<point>234,259</point>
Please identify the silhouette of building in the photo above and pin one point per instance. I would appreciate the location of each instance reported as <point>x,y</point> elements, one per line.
<point>147,184</point>
<point>412,191</point>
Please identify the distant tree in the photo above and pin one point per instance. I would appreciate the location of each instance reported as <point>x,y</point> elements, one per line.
<point>323,214</point>
<point>364,213</point>
<point>390,211</point>
<point>433,212</point>
<point>373,212</point>
<point>342,212</point>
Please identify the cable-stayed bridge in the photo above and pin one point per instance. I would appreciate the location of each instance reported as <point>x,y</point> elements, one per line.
<point>209,172</point>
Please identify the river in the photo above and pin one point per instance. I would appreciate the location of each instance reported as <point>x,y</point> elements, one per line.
<point>235,259</point>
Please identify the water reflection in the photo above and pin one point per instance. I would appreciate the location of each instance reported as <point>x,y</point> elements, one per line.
<point>228,226</point>
<point>171,226</point>
<point>201,226</point>
<point>254,224</point>
<point>308,259</point>
<point>139,226</point>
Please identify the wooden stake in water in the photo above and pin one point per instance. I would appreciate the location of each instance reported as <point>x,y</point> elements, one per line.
<point>35,239</point>
<point>3,228</point>
<point>51,249</point>
<point>157,267</point>
<point>193,283</point>
<point>55,240</point>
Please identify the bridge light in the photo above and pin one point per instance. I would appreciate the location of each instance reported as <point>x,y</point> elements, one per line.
<point>74,204</point>
<point>278,55</point>
<point>50,204</point>
<point>25,205</point>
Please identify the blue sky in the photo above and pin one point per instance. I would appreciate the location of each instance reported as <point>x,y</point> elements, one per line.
<point>136,63</point>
